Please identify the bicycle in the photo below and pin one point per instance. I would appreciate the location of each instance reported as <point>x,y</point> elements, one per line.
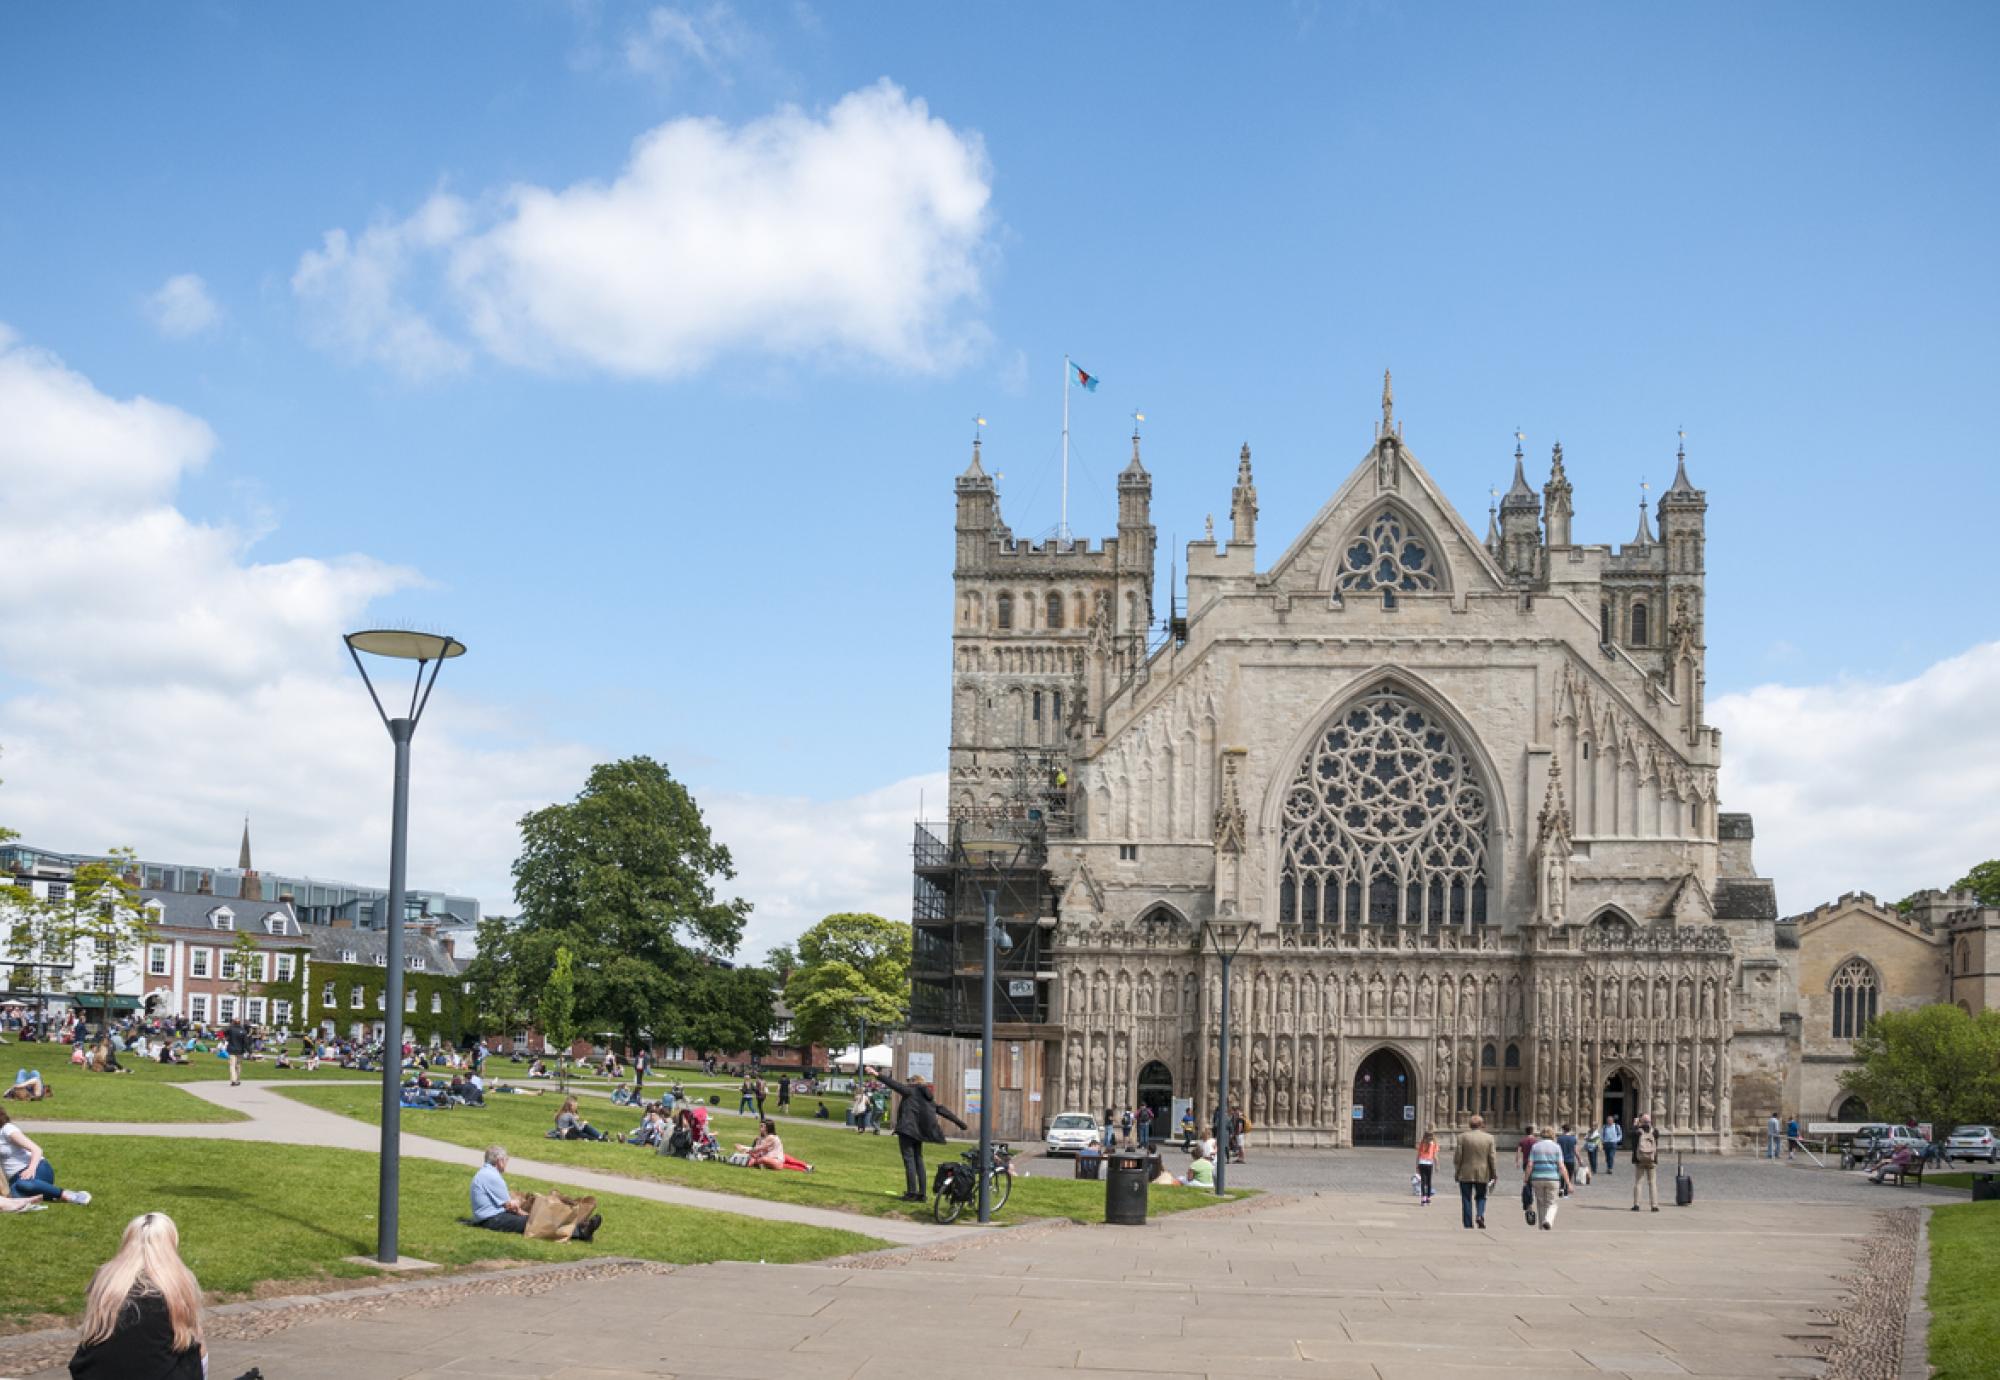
<point>957,1185</point>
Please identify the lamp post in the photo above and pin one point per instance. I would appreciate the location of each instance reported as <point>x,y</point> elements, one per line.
<point>986,1050</point>
<point>1212,935</point>
<point>432,650</point>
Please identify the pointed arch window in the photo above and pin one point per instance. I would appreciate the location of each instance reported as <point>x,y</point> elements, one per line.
<point>1854,990</point>
<point>1384,823</point>
<point>1390,556</point>
<point>1639,629</point>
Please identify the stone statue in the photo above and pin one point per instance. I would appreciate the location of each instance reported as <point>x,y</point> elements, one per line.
<point>1399,998</point>
<point>1074,1084</point>
<point>1375,994</point>
<point>1708,999</point>
<point>1552,853</point>
<point>1426,996</point>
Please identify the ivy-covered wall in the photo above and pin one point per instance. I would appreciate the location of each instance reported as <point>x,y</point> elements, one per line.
<point>454,1018</point>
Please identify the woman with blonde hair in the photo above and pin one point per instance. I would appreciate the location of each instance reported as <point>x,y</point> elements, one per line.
<point>143,1313</point>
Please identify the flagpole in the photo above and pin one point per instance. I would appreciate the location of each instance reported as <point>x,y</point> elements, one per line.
<point>1062,531</point>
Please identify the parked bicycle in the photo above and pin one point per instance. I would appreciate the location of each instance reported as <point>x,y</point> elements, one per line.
<point>957,1185</point>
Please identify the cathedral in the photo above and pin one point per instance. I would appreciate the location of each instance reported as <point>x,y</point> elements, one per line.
<point>1447,804</point>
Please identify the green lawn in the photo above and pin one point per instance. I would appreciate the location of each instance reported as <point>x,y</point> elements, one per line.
<point>850,1173</point>
<point>144,1094</point>
<point>1948,1181</point>
<point>250,1213</point>
<point>1965,1308</point>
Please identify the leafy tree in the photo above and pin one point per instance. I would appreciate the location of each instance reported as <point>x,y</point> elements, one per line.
<point>624,877</point>
<point>242,970</point>
<point>1983,881</point>
<point>854,969</point>
<point>727,1009</point>
<point>1935,1064</point>
<point>500,993</point>
<point>783,961</point>
<point>557,1010</point>
<point>102,922</point>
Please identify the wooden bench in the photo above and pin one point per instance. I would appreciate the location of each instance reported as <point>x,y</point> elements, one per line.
<point>1913,1172</point>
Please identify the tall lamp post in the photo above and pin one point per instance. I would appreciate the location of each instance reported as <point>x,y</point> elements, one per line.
<point>427,650</point>
<point>993,935</point>
<point>1212,935</point>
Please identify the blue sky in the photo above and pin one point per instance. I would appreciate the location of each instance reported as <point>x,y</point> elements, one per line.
<point>728,543</point>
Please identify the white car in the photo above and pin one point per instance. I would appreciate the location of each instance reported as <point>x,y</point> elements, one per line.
<point>1071,1132</point>
<point>1973,1143</point>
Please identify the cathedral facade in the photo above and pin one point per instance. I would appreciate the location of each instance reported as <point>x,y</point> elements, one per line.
<point>1448,803</point>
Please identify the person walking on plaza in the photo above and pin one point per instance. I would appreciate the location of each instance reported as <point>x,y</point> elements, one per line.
<point>784,1092</point>
<point>1614,1136</point>
<point>1792,1138</point>
<point>142,1316</point>
<point>1144,1121</point>
<point>1474,1163</point>
<point>746,1096</point>
<point>1566,1142</point>
<point>1548,1176</point>
<point>1771,1133</point>
<point>1590,1145</point>
<point>1645,1162</point>
<point>1427,1158</point>
<point>916,1126</point>
<point>236,1036</point>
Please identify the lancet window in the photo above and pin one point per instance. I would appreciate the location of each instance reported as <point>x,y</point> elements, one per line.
<point>1854,992</point>
<point>1385,823</point>
<point>1388,555</point>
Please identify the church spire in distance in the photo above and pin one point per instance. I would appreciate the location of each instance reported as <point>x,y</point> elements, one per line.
<point>243,854</point>
<point>1557,508</point>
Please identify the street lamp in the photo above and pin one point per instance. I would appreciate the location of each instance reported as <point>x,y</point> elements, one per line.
<point>1211,934</point>
<point>432,650</point>
<point>986,1054</point>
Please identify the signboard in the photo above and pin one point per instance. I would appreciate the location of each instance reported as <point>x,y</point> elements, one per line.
<point>972,1091</point>
<point>1357,1114</point>
<point>1182,1107</point>
<point>1409,1113</point>
<point>1020,987</point>
<point>921,1066</point>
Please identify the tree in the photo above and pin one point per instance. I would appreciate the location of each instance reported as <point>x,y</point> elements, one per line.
<point>1935,1064</point>
<point>102,917</point>
<point>783,961</point>
<point>1982,881</point>
<point>624,877</point>
<point>727,1009</point>
<point>500,996</point>
<point>558,1011</point>
<point>242,960</point>
<point>854,969</point>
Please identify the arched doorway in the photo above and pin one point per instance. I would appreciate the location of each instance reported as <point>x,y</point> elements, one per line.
<point>1385,1098</point>
<point>1621,1097</point>
<point>1851,1109</point>
<point>1156,1090</point>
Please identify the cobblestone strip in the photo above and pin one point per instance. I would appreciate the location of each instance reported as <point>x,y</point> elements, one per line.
<point>1868,1332</point>
<point>1917,1326</point>
<point>253,1318</point>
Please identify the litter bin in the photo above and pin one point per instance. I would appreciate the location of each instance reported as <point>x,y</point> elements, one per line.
<point>1985,1188</point>
<point>1126,1177</point>
<point>1088,1165</point>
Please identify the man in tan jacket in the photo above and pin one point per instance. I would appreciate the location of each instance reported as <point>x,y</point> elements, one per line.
<point>1475,1166</point>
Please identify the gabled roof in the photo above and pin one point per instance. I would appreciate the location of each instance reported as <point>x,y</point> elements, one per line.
<point>369,947</point>
<point>186,910</point>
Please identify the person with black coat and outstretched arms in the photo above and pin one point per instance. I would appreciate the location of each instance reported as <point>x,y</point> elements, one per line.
<point>916,1125</point>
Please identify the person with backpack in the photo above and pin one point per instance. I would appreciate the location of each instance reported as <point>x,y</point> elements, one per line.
<point>1548,1176</point>
<point>1614,1136</point>
<point>1645,1162</point>
<point>1144,1121</point>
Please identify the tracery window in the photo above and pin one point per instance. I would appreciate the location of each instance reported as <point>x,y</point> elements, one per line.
<point>1854,991</point>
<point>1385,823</point>
<point>1388,555</point>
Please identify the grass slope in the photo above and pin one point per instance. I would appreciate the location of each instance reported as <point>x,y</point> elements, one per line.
<point>148,1093</point>
<point>1965,1308</point>
<point>851,1173</point>
<point>254,1213</point>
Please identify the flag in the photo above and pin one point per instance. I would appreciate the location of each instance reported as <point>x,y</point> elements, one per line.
<point>1088,381</point>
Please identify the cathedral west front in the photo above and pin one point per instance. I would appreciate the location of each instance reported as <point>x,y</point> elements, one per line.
<point>1448,801</point>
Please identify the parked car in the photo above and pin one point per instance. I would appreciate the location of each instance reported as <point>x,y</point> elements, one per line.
<point>1070,1132</point>
<point>1973,1143</point>
<point>1880,1139</point>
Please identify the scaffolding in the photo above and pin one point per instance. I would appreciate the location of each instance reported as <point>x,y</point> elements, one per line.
<point>955,866</point>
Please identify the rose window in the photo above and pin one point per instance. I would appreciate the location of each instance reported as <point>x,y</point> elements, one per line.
<point>1388,555</point>
<point>1385,823</point>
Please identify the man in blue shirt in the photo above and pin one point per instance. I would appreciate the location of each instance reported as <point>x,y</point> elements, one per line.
<point>493,1206</point>
<point>1614,1135</point>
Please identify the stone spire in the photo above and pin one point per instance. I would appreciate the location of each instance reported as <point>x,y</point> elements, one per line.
<point>1243,503</point>
<point>252,889</point>
<point>243,853</point>
<point>975,475</point>
<point>1493,523</point>
<point>1680,484</point>
<point>1520,522</point>
<point>1556,498</point>
<point>1644,537</point>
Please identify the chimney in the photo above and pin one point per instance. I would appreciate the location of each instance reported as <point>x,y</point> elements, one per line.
<point>206,886</point>
<point>446,944</point>
<point>287,898</point>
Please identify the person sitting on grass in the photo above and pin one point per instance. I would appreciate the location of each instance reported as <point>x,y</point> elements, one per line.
<point>142,1315</point>
<point>79,1055</point>
<point>105,1059</point>
<point>283,1061</point>
<point>538,1069</point>
<point>1201,1173</point>
<point>768,1152</point>
<point>822,1114</point>
<point>570,1126</point>
<point>29,1173</point>
<point>621,1096</point>
<point>651,1130</point>
<point>495,1207</point>
<point>28,1086</point>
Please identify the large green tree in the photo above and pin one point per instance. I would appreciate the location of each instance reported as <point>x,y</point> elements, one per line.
<point>501,996</point>
<point>726,1010</point>
<point>1982,881</point>
<point>1935,1064</point>
<point>624,876</point>
<point>854,971</point>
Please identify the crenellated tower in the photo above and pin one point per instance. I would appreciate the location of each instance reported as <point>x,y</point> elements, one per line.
<point>1520,527</point>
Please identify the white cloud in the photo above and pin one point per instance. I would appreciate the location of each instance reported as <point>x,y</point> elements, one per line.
<point>182,308</point>
<point>1867,786</point>
<point>710,37</point>
<point>856,235</point>
<point>800,860</point>
<point>164,683</point>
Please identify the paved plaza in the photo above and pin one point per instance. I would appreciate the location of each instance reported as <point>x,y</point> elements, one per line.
<point>1336,1284</point>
